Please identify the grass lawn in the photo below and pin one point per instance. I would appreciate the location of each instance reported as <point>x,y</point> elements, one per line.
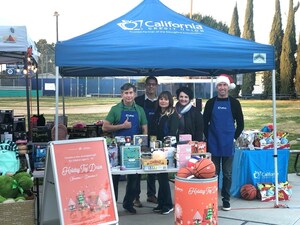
<point>257,113</point>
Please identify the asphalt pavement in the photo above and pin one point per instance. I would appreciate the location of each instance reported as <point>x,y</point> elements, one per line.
<point>243,212</point>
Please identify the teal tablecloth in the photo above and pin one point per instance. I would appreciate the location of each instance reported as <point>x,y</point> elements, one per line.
<point>257,166</point>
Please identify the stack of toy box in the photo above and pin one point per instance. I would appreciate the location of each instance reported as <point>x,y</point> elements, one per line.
<point>183,154</point>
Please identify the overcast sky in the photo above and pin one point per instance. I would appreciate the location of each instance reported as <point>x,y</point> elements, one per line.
<point>78,17</point>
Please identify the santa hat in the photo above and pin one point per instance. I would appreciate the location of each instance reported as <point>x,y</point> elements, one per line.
<point>225,79</point>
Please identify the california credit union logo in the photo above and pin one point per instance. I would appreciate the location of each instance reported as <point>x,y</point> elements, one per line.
<point>162,25</point>
<point>131,24</point>
<point>260,175</point>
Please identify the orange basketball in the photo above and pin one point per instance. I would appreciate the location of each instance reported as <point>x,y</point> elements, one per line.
<point>205,168</point>
<point>248,192</point>
<point>185,172</point>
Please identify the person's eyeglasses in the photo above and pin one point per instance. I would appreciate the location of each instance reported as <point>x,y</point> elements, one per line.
<point>151,84</point>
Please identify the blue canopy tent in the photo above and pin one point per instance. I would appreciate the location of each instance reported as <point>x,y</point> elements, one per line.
<point>151,39</point>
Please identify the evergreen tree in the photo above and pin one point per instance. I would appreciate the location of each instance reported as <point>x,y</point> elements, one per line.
<point>46,60</point>
<point>234,29</point>
<point>297,80</point>
<point>287,59</point>
<point>209,21</point>
<point>276,36</point>
<point>248,33</point>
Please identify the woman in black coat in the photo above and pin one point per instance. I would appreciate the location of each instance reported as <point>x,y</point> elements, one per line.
<point>165,123</point>
<point>191,119</point>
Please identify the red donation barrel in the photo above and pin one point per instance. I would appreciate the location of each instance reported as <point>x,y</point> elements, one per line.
<point>196,201</point>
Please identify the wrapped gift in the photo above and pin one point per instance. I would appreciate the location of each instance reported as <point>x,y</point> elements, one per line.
<point>267,191</point>
<point>263,139</point>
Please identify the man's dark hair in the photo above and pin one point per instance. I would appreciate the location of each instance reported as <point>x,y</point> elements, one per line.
<point>127,86</point>
<point>151,78</point>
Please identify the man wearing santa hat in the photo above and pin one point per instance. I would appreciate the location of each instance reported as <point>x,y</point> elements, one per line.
<point>223,124</point>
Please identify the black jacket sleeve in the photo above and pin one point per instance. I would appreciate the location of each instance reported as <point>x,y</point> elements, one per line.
<point>207,115</point>
<point>173,124</point>
<point>195,124</point>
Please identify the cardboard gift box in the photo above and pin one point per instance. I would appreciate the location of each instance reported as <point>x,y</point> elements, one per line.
<point>141,139</point>
<point>154,164</point>
<point>184,149</point>
<point>181,163</point>
<point>18,213</point>
<point>41,134</point>
<point>91,131</point>
<point>198,146</point>
<point>131,157</point>
<point>182,157</point>
<point>185,137</point>
<point>6,116</point>
<point>76,133</point>
<point>183,154</point>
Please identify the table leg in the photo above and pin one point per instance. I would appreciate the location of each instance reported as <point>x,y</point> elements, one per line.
<point>295,164</point>
<point>37,186</point>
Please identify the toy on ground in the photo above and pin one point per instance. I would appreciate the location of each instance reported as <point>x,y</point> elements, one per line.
<point>266,191</point>
<point>205,168</point>
<point>248,192</point>
<point>16,187</point>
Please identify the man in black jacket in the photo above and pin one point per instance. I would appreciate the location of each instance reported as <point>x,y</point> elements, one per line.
<point>223,124</point>
<point>148,101</point>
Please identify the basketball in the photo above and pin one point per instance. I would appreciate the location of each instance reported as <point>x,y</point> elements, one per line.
<point>185,172</point>
<point>248,192</point>
<point>205,168</point>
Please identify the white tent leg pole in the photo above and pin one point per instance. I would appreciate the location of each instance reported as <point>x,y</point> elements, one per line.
<point>56,102</point>
<point>275,136</point>
<point>211,86</point>
<point>63,100</point>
